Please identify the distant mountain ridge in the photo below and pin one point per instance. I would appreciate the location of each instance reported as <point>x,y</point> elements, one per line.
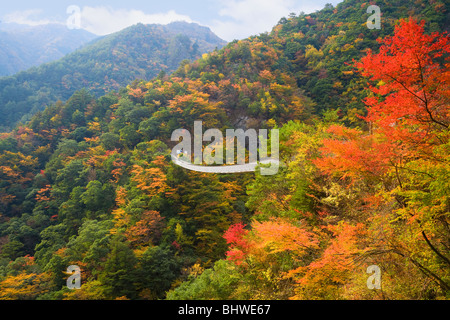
<point>105,64</point>
<point>23,46</point>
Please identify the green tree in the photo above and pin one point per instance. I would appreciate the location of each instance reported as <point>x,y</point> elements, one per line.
<point>97,198</point>
<point>217,283</point>
<point>119,275</point>
<point>158,269</point>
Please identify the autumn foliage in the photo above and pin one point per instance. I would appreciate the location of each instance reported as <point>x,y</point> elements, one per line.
<point>363,180</point>
<point>381,197</point>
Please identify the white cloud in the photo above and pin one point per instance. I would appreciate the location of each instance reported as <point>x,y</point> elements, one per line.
<point>105,20</point>
<point>252,17</point>
<point>28,17</point>
<point>233,19</point>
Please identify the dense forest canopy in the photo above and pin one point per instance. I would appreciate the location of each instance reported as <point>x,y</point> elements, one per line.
<point>108,63</point>
<point>363,116</point>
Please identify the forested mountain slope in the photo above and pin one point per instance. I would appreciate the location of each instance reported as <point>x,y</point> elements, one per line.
<point>364,180</point>
<point>113,61</point>
<point>23,47</point>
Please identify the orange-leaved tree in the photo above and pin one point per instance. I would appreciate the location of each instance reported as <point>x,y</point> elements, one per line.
<point>404,157</point>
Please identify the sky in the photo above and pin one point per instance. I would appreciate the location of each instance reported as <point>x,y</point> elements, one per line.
<point>229,19</point>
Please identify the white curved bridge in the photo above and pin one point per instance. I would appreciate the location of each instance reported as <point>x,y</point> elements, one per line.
<point>248,167</point>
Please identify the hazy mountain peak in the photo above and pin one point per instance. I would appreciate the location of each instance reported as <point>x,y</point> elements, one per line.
<point>24,46</point>
<point>107,63</point>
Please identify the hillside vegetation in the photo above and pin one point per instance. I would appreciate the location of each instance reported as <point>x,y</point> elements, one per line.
<point>364,141</point>
<point>109,63</point>
<point>23,46</point>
